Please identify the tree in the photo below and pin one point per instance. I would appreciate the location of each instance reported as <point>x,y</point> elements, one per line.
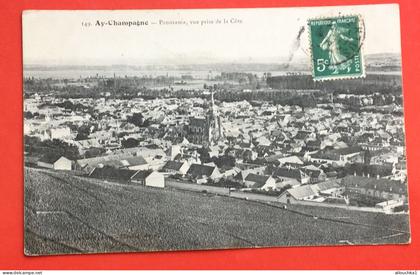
<point>94,152</point>
<point>138,120</point>
<point>367,157</point>
<point>66,105</point>
<point>51,148</point>
<point>83,132</point>
<point>28,115</point>
<point>204,155</point>
<point>130,143</point>
<point>224,161</point>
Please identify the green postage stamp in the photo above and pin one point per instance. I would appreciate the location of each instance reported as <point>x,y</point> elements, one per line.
<point>336,47</point>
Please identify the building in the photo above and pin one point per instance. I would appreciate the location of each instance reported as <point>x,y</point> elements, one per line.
<point>292,175</point>
<point>316,175</point>
<point>290,159</point>
<point>145,177</point>
<point>198,131</point>
<point>135,163</point>
<point>293,195</point>
<point>199,172</point>
<point>389,206</point>
<point>314,192</point>
<point>173,151</point>
<point>215,125</point>
<point>378,188</point>
<point>112,173</point>
<point>58,133</point>
<point>176,167</point>
<point>313,145</point>
<point>330,188</point>
<point>340,157</point>
<point>56,163</point>
<point>86,144</point>
<point>117,161</point>
<point>206,130</point>
<point>254,181</point>
<point>149,178</point>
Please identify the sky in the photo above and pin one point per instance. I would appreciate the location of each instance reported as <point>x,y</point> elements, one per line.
<point>266,35</point>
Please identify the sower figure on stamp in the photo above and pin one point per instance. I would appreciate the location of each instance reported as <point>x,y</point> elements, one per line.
<point>331,43</point>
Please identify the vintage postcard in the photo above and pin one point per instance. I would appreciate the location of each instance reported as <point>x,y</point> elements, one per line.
<point>162,130</point>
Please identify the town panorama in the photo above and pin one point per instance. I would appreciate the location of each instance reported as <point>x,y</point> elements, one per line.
<point>128,158</point>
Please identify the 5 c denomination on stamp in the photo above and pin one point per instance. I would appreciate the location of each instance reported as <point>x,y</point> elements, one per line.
<point>336,47</point>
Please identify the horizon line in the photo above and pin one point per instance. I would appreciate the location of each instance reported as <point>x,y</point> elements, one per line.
<point>282,61</point>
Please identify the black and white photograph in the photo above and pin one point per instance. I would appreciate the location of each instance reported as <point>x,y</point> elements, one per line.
<point>167,130</point>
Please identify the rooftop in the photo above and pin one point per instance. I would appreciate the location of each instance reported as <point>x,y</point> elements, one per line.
<point>198,170</point>
<point>380,184</point>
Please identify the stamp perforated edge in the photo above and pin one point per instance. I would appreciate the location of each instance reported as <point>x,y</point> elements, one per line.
<point>362,30</point>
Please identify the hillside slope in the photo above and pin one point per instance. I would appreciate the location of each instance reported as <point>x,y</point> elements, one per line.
<point>69,214</point>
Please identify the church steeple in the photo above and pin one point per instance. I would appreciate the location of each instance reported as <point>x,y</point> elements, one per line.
<point>213,120</point>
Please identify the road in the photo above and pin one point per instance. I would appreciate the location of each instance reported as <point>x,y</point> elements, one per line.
<point>184,185</point>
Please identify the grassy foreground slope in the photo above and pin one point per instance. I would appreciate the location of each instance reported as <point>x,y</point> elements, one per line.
<point>69,214</point>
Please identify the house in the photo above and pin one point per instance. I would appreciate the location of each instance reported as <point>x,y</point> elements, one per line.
<point>283,120</point>
<point>200,172</point>
<point>313,145</point>
<point>315,174</point>
<point>145,177</point>
<point>135,163</point>
<point>112,173</point>
<point>291,174</point>
<point>251,168</point>
<point>339,157</point>
<point>149,178</point>
<point>340,145</point>
<point>243,169</point>
<point>213,151</point>
<point>255,181</point>
<point>285,159</point>
<point>383,156</point>
<point>176,167</point>
<point>58,133</point>
<point>173,151</point>
<point>263,141</point>
<point>314,192</point>
<point>243,154</point>
<point>86,144</point>
<point>56,163</point>
<point>371,170</point>
<point>155,157</point>
<point>230,173</point>
<point>378,188</point>
<point>304,135</point>
<point>330,188</point>
<point>304,192</point>
<point>389,206</point>
<point>126,160</point>
<point>88,164</point>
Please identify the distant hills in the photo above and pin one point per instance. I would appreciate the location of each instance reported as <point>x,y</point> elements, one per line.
<point>375,62</point>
